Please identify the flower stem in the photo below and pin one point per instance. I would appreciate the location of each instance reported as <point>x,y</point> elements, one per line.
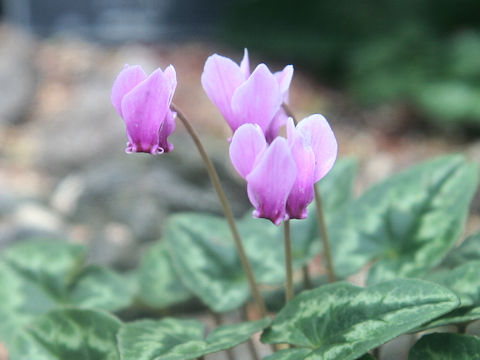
<point>320,218</point>
<point>226,210</point>
<point>324,236</point>
<point>288,261</point>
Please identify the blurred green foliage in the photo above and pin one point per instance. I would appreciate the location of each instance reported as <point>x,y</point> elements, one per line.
<point>425,53</point>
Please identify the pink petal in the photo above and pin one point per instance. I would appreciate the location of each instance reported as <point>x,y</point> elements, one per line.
<point>128,78</point>
<point>144,109</point>
<point>284,79</point>
<point>271,181</point>
<point>166,129</point>
<point>257,100</point>
<point>321,138</point>
<point>245,65</point>
<point>302,192</point>
<point>220,78</point>
<point>248,142</point>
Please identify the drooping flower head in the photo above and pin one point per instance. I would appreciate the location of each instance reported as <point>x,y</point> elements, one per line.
<point>144,104</point>
<point>243,97</point>
<point>281,176</point>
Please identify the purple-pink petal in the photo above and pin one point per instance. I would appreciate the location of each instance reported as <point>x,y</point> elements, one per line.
<point>166,129</point>
<point>128,78</point>
<point>284,79</point>
<point>220,78</point>
<point>245,65</point>
<point>319,135</point>
<point>302,192</point>
<point>257,100</point>
<point>271,181</point>
<point>248,142</point>
<point>144,109</point>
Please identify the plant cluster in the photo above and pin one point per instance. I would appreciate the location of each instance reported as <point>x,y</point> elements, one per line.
<point>403,233</point>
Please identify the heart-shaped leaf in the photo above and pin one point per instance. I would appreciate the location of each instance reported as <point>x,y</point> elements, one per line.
<point>52,273</point>
<point>159,284</point>
<point>342,321</point>
<point>446,346</point>
<point>77,334</point>
<point>204,256</point>
<point>174,339</point>
<point>407,223</point>
<point>46,264</point>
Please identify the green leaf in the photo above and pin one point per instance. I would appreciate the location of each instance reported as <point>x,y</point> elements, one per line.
<point>446,346</point>
<point>407,223</point>
<point>464,280</point>
<point>12,306</point>
<point>51,273</point>
<point>468,250</point>
<point>46,264</point>
<point>342,321</point>
<point>76,334</point>
<point>100,288</point>
<point>290,354</point>
<point>174,339</point>
<point>159,284</point>
<point>204,255</point>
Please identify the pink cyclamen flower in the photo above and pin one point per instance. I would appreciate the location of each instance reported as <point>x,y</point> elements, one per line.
<point>144,104</point>
<point>243,97</point>
<point>281,176</point>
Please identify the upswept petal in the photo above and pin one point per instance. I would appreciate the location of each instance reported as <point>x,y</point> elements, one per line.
<point>271,181</point>
<point>166,129</point>
<point>292,132</point>
<point>128,78</point>
<point>284,79</point>
<point>144,109</point>
<point>302,192</point>
<point>171,77</point>
<point>257,100</point>
<point>220,78</point>
<point>245,64</point>
<point>319,135</point>
<point>248,142</point>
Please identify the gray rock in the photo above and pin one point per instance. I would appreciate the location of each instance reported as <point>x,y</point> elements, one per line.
<point>17,75</point>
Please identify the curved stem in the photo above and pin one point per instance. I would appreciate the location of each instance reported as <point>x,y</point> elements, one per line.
<point>226,210</point>
<point>320,218</point>
<point>288,261</point>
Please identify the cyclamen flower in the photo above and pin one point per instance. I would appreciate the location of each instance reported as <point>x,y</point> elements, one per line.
<point>144,104</point>
<point>281,176</point>
<point>243,97</point>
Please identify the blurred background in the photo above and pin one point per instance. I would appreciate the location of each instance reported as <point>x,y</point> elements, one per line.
<point>399,82</point>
